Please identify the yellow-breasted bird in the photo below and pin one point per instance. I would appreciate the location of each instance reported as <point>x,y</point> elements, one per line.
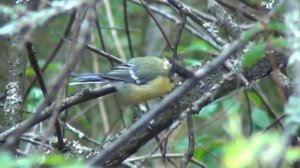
<point>139,80</point>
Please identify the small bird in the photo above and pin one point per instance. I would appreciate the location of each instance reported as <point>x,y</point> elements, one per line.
<point>139,80</point>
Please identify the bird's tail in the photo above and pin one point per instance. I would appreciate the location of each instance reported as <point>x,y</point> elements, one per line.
<point>77,79</point>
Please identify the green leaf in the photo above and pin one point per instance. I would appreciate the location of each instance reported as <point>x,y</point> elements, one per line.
<point>279,42</point>
<point>260,118</point>
<point>208,110</point>
<point>199,45</point>
<point>199,153</point>
<point>254,2</point>
<point>191,61</point>
<point>256,151</point>
<point>63,162</point>
<point>249,34</point>
<point>34,98</point>
<point>181,145</point>
<point>29,72</point>
<point>6,160</point>
<point>254,55</point>
<point>202,139</point>
<point>35,94</point>
<point>29,161</point>
<point>293,155</point>
<point>255,98</point>
<point>277,26</point>
<point>54,67</point>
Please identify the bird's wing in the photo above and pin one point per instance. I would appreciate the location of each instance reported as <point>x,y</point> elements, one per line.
<point>126,72</point>
<point>90,77</point>
<point>96,78</point>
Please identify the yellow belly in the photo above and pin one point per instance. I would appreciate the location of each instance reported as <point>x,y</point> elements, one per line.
<point>141,93</point>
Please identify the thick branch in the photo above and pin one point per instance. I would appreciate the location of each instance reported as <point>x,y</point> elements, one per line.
<point>15,84</point>
<point>29,21</point>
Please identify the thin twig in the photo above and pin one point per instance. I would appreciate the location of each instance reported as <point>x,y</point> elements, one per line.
<point>267,104</point>
<point>210,153</point>
<point>114,32</point>
<point>37,70</point>
<point>54,52</point>
<point>127,28</point>
<point>249,111</point>
<point>234,7</point>
<point>34,63</point>
<point>188,27</point>
<point>100,102</point>
<point>157,24</point>
<point>275,122</point>
<point>80,134</point>
<point>191,138</point>
<point>79,97</point>
<point>98,26</point>
<point>104,54</point>
<point>199,21</point>
<point>178,35</point>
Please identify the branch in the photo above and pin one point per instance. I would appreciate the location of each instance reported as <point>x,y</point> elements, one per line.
<point>29,21</point>
<point>15,84</point>
<point>224,18</point>
<point>79,97</point>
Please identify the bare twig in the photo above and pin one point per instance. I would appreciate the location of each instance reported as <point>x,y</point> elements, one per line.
<point>178,35</point>
<point>210,153</point>
<point>114,32</point>
<point>127,28</point>
<point>104,54</point>
<point>101,106</point>
<point>188,27</point>
<point>99,31</point>
<point>34,63</point>
<point>249,111</point>
<point>37,70</point>
<point>80,134</point>
<point>275,122</point>
<point>157,24</point>
<point>54,52</point>
<point>80,97</point>
<point>235,7</point>
<point>168,155</point>
<point>189,154</point>
<point>267,104</point>
<point>199,21</point>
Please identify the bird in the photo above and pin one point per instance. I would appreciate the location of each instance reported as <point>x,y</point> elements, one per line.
<point>140,79</point>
